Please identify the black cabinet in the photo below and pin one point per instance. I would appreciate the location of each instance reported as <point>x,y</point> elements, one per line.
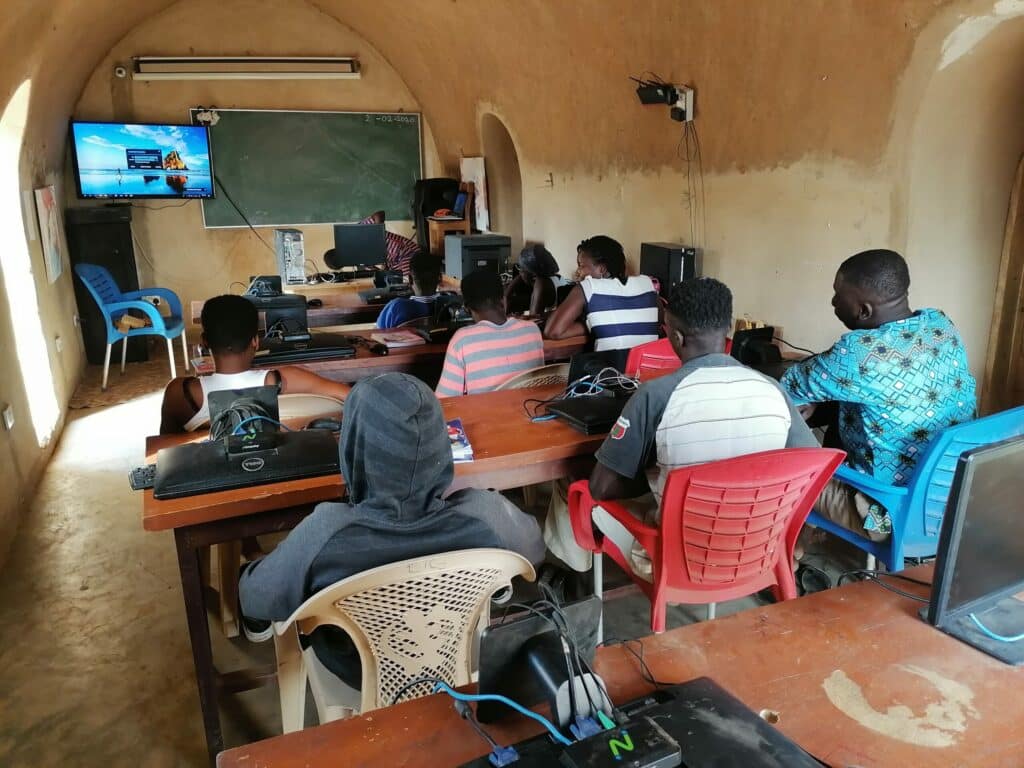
<point>103,236</point>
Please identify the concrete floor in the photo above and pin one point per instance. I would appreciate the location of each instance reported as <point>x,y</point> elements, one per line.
<point>95,665</point>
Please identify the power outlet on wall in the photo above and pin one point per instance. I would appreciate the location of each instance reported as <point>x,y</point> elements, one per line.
<point>76,320</point>
<point>9,417</point>
<point>58,343</point>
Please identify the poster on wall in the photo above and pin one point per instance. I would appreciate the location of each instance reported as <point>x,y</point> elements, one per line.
<point>49,231</point>
<point>472,169</point>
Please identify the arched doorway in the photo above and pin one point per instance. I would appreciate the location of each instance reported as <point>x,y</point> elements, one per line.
<point>504,182</point>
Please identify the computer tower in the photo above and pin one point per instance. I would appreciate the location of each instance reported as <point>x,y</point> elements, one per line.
<point>669,263</point>
<point>467,253</point>
<point>291,258</point>
<point>102,235</point>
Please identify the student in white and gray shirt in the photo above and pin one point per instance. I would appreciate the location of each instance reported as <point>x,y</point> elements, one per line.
<point>712,408</point>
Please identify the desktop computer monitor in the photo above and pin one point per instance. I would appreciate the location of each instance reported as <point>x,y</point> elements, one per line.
<point>358,245</point>
<point>468,253</point>
<point>978,592</point>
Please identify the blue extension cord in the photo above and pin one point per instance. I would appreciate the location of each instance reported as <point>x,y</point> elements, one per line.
<point>555,734</point>
<point>243,422</point>
<point>988,632</point>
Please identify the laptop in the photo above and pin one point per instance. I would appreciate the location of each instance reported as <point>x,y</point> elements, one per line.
<point>978,586</point>
<point>592,363</point>
<point>591,415</point>
<point>194,468</point>
<point>458,209</point>
<point>319,346</point>
<point>384,295</point>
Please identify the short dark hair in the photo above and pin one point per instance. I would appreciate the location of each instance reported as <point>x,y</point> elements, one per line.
<point>607,251</point>
<point>425,268</point>
<point>701,305</point>
<point>230,323</point>
<point>482,289</point>
<point>881,272</point>
<point>537,260</point>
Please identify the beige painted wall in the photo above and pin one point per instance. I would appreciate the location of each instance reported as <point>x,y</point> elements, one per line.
<point>174,250</point>
<point>826,127</point>
<point>23,453</point>
<point>967,141</point>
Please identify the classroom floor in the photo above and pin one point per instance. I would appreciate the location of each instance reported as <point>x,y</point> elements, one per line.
<point>95,665</point>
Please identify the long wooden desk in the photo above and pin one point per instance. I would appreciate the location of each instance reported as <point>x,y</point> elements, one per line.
<point>424,361</point>
<point>856,678</point>
<point>342,304</point>
<point>509,450</point>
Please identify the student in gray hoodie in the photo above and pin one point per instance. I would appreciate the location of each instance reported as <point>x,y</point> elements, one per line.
<point>397,464</point>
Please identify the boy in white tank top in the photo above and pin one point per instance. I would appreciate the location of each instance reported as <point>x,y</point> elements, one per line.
<point>231,331</point>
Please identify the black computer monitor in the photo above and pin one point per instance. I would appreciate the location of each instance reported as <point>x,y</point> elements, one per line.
<point>358,245</point>
<point>979,569</point>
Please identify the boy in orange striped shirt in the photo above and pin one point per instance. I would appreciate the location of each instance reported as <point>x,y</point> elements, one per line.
<point>483,356</point>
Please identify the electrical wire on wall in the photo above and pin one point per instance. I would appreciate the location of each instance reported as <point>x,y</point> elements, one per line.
<point>694,198</point>
<point>245,218</point>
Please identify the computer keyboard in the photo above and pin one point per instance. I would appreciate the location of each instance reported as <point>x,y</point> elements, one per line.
<point>142,478</point>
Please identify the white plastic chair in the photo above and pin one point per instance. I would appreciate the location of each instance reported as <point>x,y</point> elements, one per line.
<point>411,619</point>
<point>545,375</point>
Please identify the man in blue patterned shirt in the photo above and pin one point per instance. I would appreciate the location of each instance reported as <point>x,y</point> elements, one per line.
<point>900,376</point>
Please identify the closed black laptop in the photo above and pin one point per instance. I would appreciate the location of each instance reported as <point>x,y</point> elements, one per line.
<point>187,470</point>
<point>592,415</point>
<point>319,346</point>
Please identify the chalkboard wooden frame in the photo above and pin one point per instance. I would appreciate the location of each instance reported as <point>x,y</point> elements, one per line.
<point>223,215</point>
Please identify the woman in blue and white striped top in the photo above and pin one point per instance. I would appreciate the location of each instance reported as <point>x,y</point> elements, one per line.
<point>619,312</point>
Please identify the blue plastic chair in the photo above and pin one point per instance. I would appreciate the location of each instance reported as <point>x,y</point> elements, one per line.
<point>113,304</point>
<point>916,510</point>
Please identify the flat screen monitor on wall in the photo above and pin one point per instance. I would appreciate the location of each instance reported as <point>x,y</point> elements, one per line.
<point>133,160</point>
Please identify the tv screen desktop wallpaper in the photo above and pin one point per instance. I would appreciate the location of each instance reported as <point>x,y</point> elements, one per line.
<point>125,160</point>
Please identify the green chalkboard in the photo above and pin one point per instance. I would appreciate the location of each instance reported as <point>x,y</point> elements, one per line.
<point>287,168</point>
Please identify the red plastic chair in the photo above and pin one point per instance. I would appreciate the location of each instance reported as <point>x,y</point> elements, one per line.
<point>656,358</point>
<point>728,527</point>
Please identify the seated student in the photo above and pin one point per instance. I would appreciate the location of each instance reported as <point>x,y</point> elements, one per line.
<point>396,460</point>
<point>712,408</point>
<point>618,311</point>
<point>537,280</point>
<point>426,276</point>
<point>494,349</point>
<point>899,376</point>
<point>400,250</point>
<point>231,332</point>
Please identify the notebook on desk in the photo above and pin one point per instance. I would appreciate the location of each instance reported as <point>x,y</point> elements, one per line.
<point>319,346</point>
<point>194,468</point>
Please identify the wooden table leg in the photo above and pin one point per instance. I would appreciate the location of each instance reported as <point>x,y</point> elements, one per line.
<point>189,566</point>
<point>229,557</point>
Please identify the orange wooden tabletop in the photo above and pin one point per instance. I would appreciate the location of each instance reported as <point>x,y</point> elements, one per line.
<point>856,678</point>
<point>509,451</point>
<point>365,362</point>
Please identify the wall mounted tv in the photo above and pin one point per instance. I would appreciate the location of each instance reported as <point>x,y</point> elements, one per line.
<point>132,160</point>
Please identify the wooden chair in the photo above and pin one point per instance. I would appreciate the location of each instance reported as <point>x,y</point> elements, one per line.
<point>408,620</point>
<point>437,230</point>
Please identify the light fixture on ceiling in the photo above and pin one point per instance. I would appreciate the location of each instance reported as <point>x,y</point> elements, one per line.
<point>245,68</point>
